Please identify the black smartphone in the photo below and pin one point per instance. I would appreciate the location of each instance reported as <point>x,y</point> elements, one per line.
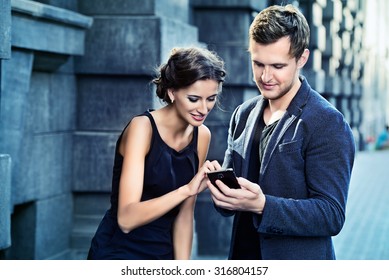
<point>227,176</point>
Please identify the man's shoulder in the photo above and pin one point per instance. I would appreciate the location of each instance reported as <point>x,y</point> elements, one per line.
<point>249,104</point>
<point>243,112</point>
<point>316,101</point>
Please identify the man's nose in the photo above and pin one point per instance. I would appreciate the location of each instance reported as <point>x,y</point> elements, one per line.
<point>266,74</point>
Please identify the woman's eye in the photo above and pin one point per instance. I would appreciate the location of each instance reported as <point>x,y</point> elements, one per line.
<point>193,99</point>
<point>212,98</point>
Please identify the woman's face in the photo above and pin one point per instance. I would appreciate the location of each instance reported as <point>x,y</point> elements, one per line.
<point>194,102</point>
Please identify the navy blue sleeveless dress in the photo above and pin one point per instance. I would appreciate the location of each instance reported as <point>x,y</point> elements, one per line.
<point>165,170</point>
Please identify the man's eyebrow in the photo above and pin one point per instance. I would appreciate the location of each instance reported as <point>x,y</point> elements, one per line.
<point>273,64</point>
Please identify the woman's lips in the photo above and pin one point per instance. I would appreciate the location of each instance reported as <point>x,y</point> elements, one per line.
<point>198,118</point>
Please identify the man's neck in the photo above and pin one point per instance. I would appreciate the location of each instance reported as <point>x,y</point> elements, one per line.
<point>277,108</point>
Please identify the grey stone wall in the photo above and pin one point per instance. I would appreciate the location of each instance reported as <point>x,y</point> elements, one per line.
<point>38,119</point>
<point>5,201</point>
<point>374,100</point>
<point>5,160</point>
<point>5,29</point>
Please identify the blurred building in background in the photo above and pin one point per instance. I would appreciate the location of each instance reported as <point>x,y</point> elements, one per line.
<point>73,72</point>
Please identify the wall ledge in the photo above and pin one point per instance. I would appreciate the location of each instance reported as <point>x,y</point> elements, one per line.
<point>51,13</point>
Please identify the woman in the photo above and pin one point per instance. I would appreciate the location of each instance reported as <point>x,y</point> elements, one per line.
<point>157,171</point>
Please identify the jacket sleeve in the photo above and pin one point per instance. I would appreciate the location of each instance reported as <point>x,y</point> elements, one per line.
<point>319,171</point>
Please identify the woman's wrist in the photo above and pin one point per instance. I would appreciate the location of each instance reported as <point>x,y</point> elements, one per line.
<point>185,191</point>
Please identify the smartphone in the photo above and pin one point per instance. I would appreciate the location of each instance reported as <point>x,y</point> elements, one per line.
<point>227,176</point>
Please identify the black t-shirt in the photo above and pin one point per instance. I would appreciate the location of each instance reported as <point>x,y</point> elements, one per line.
<point>247,245</point>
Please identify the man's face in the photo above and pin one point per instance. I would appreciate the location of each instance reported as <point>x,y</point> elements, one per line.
<point>275,72</point>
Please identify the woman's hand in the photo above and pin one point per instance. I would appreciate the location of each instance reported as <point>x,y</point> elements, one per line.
<point>199,181</point>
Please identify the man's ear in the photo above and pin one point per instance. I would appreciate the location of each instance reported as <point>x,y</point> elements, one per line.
<point>303,59</point>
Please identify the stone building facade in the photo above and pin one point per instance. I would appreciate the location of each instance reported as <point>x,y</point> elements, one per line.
<point>5,159</point>
<point>74,72</point>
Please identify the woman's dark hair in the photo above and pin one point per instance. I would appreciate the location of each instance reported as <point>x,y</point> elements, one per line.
<point>184,67</point>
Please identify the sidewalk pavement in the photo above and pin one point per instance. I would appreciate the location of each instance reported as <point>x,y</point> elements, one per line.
<point>365,235</point>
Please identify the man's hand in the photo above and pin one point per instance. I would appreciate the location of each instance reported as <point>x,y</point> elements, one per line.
<point>248,198</point>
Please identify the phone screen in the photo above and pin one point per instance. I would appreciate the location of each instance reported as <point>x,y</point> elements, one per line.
<point>227,176</point>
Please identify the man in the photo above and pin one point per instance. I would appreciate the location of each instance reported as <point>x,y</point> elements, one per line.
<point>291,149</point>
<point>383,139</point>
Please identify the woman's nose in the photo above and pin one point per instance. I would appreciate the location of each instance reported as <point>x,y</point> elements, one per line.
<point>203,108</point>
